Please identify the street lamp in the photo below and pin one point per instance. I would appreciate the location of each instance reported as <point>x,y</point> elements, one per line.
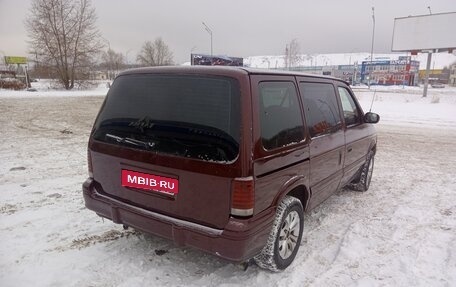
<point>372,46</point>
<point>210,33</point>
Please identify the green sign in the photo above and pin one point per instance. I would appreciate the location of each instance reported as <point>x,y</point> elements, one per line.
<point>15,60</point>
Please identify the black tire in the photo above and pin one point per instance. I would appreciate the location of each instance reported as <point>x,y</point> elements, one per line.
<point>284,240</point>
<point>362,183</point>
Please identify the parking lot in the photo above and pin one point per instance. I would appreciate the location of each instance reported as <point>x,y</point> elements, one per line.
<point>401,232</point>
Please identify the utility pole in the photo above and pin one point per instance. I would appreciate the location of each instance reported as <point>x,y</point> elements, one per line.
<point>210,33</point>
<point>372,47</point>
<point>426,76</point>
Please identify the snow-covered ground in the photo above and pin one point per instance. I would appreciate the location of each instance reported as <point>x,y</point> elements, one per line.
<point>48,88</point>
<point>402,232</point>
<point>407,107</point>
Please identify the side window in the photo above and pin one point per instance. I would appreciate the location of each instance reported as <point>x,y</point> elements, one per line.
<point>351,112</point>
<point>320,107</point>
<point>280,115</point>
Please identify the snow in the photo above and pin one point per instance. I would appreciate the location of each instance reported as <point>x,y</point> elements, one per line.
<point>406,106</point>
<point>401,232</point>
<point>49,88</point>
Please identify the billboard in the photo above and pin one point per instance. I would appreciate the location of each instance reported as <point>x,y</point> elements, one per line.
<point>207,60</point>
<point>426,32</point>
<point>15,60</point>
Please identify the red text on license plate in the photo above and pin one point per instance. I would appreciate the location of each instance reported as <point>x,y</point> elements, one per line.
<point>149,181</point>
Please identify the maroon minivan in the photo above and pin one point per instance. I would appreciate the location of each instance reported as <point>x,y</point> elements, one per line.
<point>226,159</point>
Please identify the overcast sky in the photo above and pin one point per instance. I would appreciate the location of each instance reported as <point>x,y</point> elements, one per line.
<point>240,28</point>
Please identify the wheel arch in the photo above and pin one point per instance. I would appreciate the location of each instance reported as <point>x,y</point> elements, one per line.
<point>295,187</point>
<point>301,193</point>
<point>373,146</point>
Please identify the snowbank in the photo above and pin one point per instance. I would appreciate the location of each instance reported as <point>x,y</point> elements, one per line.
<point>48,88</point>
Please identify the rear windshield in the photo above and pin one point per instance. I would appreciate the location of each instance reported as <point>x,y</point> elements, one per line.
<point>187,116</point>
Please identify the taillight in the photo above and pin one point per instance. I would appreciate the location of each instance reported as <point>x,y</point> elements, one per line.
<point>89,163</point>
<point>242,196</point>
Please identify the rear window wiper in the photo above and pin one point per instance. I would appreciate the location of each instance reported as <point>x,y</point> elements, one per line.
<point>145,144</point>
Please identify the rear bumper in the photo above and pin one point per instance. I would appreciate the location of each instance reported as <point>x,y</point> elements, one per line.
<point>238,241</point>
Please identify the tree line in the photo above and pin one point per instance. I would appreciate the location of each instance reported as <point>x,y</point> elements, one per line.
<point>66,42</point>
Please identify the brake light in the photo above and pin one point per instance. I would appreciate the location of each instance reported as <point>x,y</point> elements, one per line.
<point>89,163</point>
<point>242,196</point>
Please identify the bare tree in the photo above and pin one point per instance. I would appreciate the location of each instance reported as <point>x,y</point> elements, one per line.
<point>112,62</point>
<point>292,54</point>
<point>63,34</point>
<point>155,54</point>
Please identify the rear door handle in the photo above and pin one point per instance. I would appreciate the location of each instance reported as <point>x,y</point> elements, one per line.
<point>349,149</point>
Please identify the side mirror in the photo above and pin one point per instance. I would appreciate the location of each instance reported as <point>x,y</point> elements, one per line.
<point>371,118</point>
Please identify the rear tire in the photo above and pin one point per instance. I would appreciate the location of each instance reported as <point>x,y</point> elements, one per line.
<point>285,237</point>
<point>363,182</point>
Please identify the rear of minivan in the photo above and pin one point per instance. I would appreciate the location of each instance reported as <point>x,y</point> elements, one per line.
<point>170,154</point>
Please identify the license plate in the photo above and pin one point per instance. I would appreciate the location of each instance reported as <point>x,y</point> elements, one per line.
<point>150,182</point>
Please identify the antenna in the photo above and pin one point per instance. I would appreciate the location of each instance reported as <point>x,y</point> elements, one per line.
<point>372,103</point>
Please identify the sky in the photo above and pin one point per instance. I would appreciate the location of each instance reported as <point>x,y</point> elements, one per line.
<point>239,28</point>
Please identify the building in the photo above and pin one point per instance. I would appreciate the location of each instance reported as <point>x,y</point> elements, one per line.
<point>403,71</point>
<point>436,76</point>
<point>348,73</point>
<point>341,64</point>
<point>452,80</point>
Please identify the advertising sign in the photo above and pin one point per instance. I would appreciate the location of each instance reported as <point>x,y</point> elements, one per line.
<point>207,60</point>
<point>15,60</point>
<point>425,32</point>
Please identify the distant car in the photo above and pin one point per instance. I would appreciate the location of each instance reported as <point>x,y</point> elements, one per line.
<point>438,85</point>
<point>226,160</point>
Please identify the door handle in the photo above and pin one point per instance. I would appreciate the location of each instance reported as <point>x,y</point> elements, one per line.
<point>349,149</point>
